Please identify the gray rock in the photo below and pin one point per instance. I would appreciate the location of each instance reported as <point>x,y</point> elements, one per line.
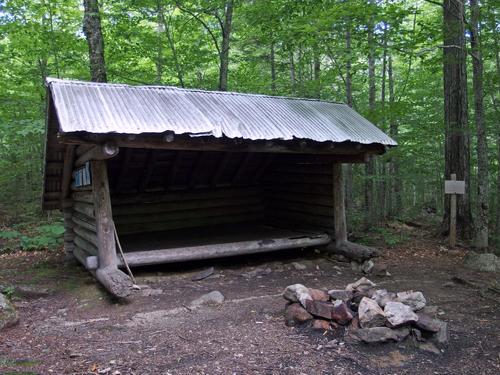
<point>379,334</point>
<point>485,262</point>
<point>398,313</point>
<point>382,296</point>
<point>362,285</point>
<point>429,347</point>
<point>430,310</point>
<point>257,272</point>
<point>442,337</point>
<point>213,298</point>
<point>296,314</point>
<point>297,293</point>
<point>8,314</point>
<point>367,266</point>
<point>340,294</point>
<point>355,266</point>
<point>370,314</point>
<point>428,323</point>
<point>415,300</point>
<point>299,266</point>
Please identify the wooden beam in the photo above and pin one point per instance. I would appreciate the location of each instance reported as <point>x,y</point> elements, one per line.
<point>241,168</point>
<point>226,156</point>
<point>98,152</point>
<point>209,143</point>
<point>148,171</point>
<point>339,204</point>
<point>150,257</point>
<point>114,280</point>
<point>69,156</point>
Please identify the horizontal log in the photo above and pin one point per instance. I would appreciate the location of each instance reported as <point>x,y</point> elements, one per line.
<point>352,250</point>
<point>306,208</point>
<point>87,260</point>
<point>81,188</point>
<point>98,152</point>
<point>287,215</point>
<point>285,178</point>
<point>83,196</point>
<point>115,281</point>
<point>304,168</point>
<point>209,143</point>
<point>313,199</point>
<point>85,245</point>
<point>84,222</point>
<point>300,188</point>
<point>142,258</point>
<point>85,209</point>
<point>188,223</point>
<point>188,214</point>
<point>151,208</point>
<point>157,197</point>
<point>87,235</point>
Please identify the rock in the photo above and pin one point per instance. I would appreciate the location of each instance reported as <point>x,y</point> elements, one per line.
<point>299,266</point>
<point>430,310</point>
<point>319,295</point>
<point>382,296</point>
<point>8,314</point>
<point>485,262</point>
<point>370,314</point>
<point>428,323</point>
<point>320,308</point>
<point>429,347</point>
<point>257,272</point>
<point>296,314</point>
<point>379,334</point>
<point>340,294</point>
<point>415,300</point>
<point>321,324</point>
<point>203,274</point>
<point>442,337</point>
<point>398,313</point>
<point>380,269</point>
<point>354,324</point>
<point>416,334</point>
<point>297,293</point>
<point>367,266</point>
<point>341,313</point>
<point>355,266</point>
<point>213,298</point>
<point>363,285</point>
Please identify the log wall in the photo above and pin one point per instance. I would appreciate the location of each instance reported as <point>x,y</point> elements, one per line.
<point>299,195</point>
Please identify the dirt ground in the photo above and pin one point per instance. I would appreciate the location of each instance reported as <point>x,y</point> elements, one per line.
<point>68,325</point>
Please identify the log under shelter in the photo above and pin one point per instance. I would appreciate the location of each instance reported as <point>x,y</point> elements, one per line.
<point>171,175</point>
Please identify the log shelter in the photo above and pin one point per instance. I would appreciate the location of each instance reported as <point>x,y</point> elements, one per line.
<point>174,174</point>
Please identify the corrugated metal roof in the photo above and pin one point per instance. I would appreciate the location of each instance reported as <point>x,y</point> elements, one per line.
<point>117,108</point>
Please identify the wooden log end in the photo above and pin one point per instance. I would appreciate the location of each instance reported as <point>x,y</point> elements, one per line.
<point>353,250</point>
<point>115,281</point>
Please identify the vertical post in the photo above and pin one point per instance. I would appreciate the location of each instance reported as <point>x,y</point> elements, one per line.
<point>69,234</point>
<point>339,218</point>
<point>453,215</point>
<point>114,280</point>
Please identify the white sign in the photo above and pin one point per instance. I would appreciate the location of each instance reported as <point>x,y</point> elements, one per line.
<point>454,187</point>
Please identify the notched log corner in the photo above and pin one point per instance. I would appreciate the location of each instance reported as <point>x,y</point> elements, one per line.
<point>353,250</point>
<point>115,281</point>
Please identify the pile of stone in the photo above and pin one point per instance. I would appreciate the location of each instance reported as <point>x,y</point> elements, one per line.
<point>366,314</point>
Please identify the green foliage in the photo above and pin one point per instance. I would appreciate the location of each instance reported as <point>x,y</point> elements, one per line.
<point>42,237</point>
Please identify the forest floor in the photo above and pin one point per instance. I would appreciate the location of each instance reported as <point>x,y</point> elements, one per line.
<point>70,326</point>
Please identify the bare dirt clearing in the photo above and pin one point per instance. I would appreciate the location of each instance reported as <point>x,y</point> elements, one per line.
<point>68,325</point>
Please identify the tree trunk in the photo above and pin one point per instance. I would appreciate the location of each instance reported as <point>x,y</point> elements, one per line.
<point>224,53</point>
<point>171,43</point>
<point>273,68</point>
<point>370,166</point>
<point>292,71</point>
<point>348,94</point>
<point>457,141</point>
<point>395,199</point>
<point>93,33</point>
<point>382,184</point>
<point>317,73</point>
<point>481,232</point>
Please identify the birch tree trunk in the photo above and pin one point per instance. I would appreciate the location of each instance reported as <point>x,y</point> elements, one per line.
<point>481,225</point>
<point>93,33</point>
<point>457,140</point>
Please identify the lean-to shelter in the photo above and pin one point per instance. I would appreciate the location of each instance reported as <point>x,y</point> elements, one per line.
<point>181,174</point>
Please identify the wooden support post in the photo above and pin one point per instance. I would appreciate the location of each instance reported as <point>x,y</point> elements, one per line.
<point>341,245</point>
<point>69,234</point>
<point>339,204</point>
<point>69,156</point>
<point>453,215</point>
<point>114,280</point>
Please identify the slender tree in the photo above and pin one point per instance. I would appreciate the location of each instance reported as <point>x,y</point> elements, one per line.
<point>457,139</point>
<point>95,41</point>
<point>224,53</point>
<point>481,224</point>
